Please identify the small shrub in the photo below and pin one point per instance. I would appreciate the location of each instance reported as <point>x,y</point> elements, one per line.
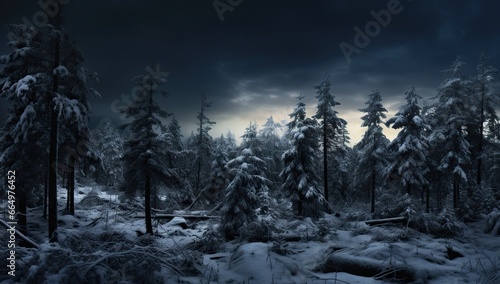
<point>493,223</point>
<point>280,246</point>
<point>210,242</point>
<point>257,231</point>
<point>444,225</point>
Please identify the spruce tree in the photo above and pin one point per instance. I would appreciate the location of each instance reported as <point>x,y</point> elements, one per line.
<point>330,124</point>
<point>372,147</point>
<point>144,155</point>
<point>204,145</point>
<point>241,198</point>
<point>299,173</point>
<point>483,93</point>
<point>272,150</point>
<point>449,115</point>
<point>410,146</point>
<point>45,83</point>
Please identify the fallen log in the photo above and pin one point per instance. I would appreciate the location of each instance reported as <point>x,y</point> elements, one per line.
<point>172,216</point>
<point>28,242</point>
<point>366,267</point>
<point>386,220</point>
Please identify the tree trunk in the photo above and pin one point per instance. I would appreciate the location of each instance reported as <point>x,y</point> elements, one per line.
<point>53,142</point>
<point>325,160</point>
<point>52,192</point>
<point>71,185</point>
<point>408,188</point>
<point>155,197</point>
<point>373,192</point>
<point>427,205</point>
<point>480,150</point>
<point>456,193</point>
<point>439,198</point>
<point>147,204</point>
<point>45,196</point>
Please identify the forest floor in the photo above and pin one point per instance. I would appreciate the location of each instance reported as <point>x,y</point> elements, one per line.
<point>102,244</point>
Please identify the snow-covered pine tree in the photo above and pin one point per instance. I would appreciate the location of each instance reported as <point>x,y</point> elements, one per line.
<point>144,155</point>
<point>231,145</point>
<point>241,196</point>
<point>330,124</point>
<point>449,116</point>
<point>219,178</point>
<point>25,84</point>
<point>107,163</point>
<point>250,139</point>
<point>338,164</point>
<point>174,146</point>
<point>45,73</point>
<point>252,142</point>
<point>299,172</point>
<point>74,110</point>
<point>272,150</point>
<point>410,146</point>
<point>204,145</point>
<point>175,133</point>
<point>484,95</point>
<point>372,148</point>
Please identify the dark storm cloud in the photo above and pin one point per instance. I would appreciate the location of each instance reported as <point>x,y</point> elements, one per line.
<point>266,52</point>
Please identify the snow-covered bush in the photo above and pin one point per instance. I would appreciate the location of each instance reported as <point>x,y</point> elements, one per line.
<point>392,206</point>
<point>324,231</point>
<point>280,246</point>
<point>106,257</point>
<point>493,223</point>
<point>210,242</point>
<point>442,225</point>
<point>258,231</point>
<point>481,202</point>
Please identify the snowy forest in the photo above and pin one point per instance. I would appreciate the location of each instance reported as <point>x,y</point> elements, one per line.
<point>294,202</point>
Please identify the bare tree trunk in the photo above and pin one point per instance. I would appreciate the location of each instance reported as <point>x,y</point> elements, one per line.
<point>427,205</point>
<point>71,185</point>
<point>373,192</point>
<point>53,142</point>
<point>147,204</point>
<point>45,196</point>
<point>456,192</point>
<point>325,160</point>
<point>439,198</point>
<point>481,130</point>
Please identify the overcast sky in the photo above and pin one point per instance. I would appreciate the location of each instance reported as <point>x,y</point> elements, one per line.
<point>253,59</point>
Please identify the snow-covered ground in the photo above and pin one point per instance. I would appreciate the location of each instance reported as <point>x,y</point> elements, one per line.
<point>329,250</point>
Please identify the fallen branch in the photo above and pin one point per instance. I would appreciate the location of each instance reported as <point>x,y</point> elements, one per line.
<point>93,222</point>
<point>30,243</point>
<point>196,199</point>
<point>219,206</point>
<point>386,220</point>
<point>172,216</point>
